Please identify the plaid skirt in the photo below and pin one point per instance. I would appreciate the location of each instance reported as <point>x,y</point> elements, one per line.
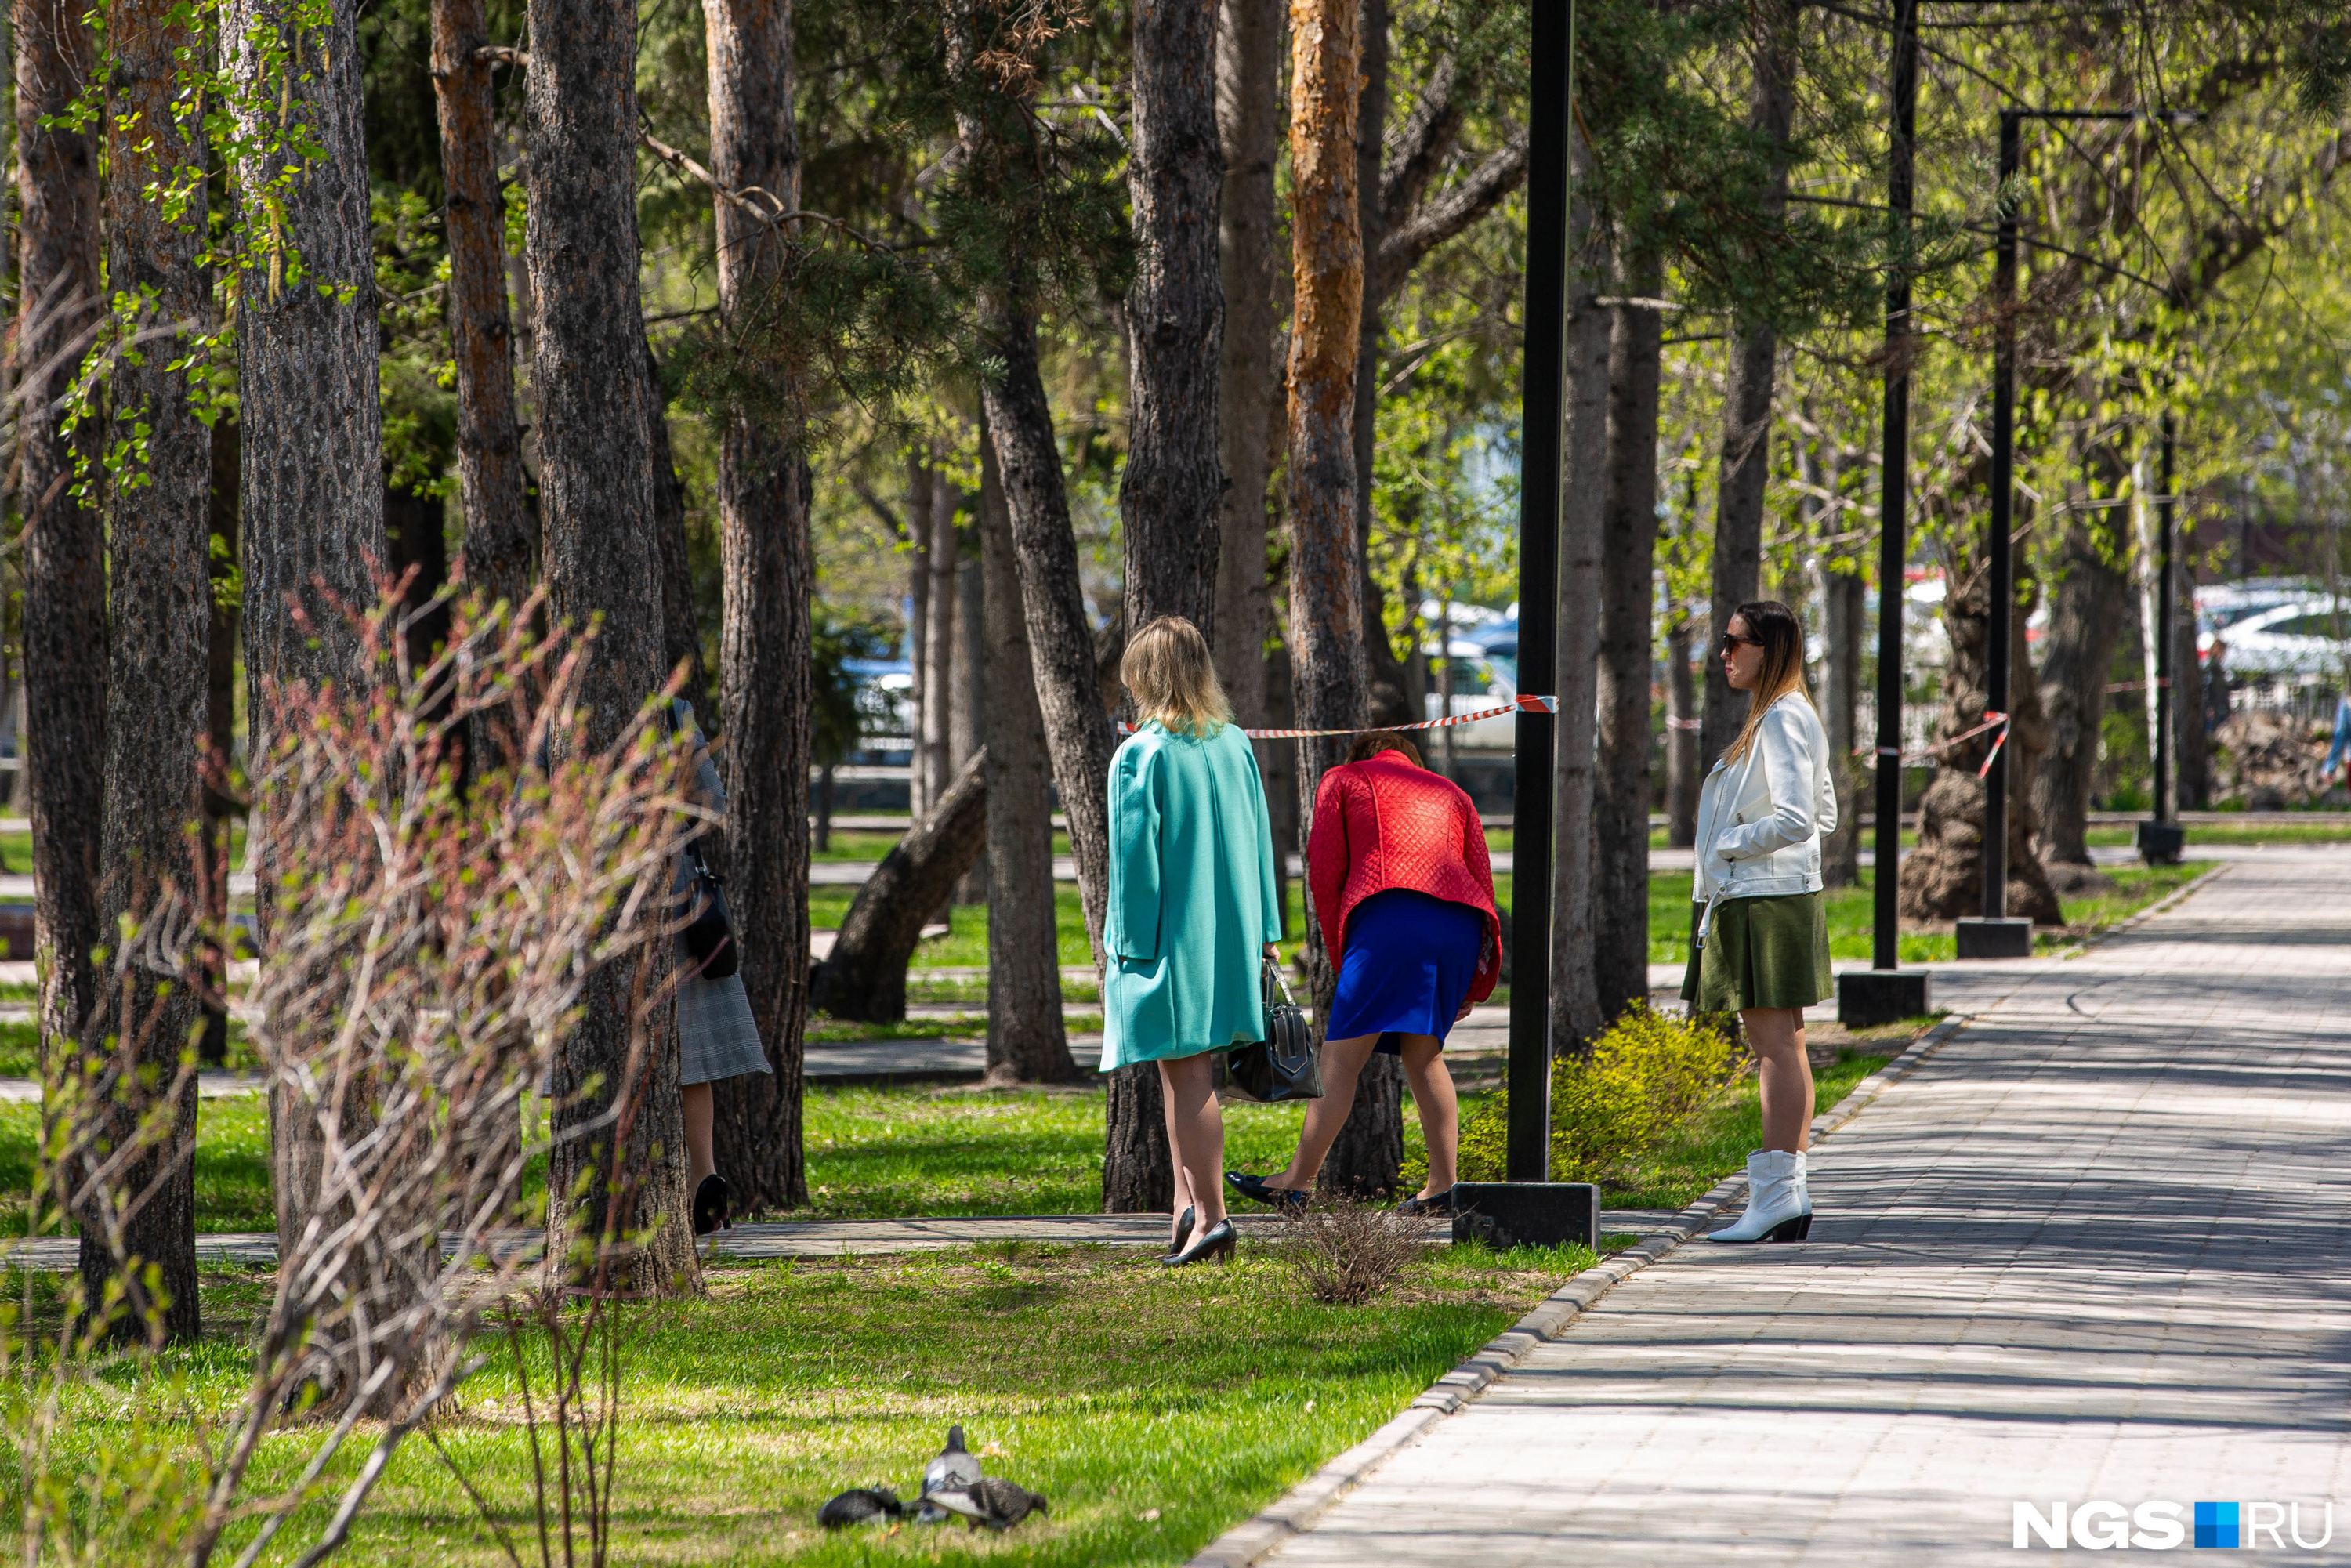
<point>716,1036</point>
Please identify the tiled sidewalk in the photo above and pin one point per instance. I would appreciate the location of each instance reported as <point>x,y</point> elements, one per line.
<point>2094,1248</point>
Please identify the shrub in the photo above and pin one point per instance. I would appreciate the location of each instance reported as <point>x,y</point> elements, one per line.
<point>1645,1073</point>
<point>1347,1253</point>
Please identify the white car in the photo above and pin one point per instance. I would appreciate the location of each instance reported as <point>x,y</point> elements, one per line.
<point>2308,638</point>
<point>1478,683</point>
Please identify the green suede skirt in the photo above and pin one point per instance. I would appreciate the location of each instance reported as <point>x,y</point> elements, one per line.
<point>1760,953</point>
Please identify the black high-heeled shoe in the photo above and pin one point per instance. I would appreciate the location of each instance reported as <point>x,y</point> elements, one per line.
<point>710,1203</point>
<point>1183,1231</point>
<point>1216,1242</point>
<point>1255,1190</point>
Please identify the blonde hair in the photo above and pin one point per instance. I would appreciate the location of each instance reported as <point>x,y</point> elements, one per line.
<point>1167,670</point>
<point>1775,626</point>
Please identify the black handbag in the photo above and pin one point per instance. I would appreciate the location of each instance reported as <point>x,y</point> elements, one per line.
<point>709,938</point>
<point>1281,1066</point>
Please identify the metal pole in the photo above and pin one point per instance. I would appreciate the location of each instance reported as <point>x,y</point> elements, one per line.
<point>1893,497</point>
<point>2163,638</point>
<point>2002,608</point>
<point>1543,409</point>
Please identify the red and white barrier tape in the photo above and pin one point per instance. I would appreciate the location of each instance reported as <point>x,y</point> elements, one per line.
<point>2139,685</point>
<point>1991,721</point>
<point>1527,703</point>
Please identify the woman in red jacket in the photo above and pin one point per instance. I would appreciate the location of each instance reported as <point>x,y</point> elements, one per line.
<point>1396,865</point>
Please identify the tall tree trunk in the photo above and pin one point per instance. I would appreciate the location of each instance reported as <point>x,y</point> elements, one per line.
<point>160,619</point>
<point>1328,675</point>
<point>968,726</point>
<point>1844,611</point>
<point>1248,108</point>
<point>681,619</point>
<point>939,643</point>
<point>919,481</point>
<point>1628,558</point>
<point>1681,735</point>
<point>220,719</point>
<point>596,507</point>
<point>1746,459</point>
<point>490,481</point>
<point>1174,484</point>
<point>1576,1015</point>
<point>770,566</point>
<point>1026,1040</point>
<point>310,436</point>
<point>63,743</point>
<point>2085,623</point>
<point>1383,672</point>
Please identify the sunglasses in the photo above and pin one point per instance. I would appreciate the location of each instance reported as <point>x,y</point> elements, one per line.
<point>1732,639</point>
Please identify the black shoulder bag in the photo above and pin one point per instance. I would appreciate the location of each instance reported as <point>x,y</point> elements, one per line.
<point>1281,1066</point>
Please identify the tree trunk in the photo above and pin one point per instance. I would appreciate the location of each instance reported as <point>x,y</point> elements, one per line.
<point>596,508</point>
<point>918,626</point>
<point>490,481</point>
<point>2084,622</point>
<point>1746,459</point>
<point>1576,1015</point>
<point>1026,1040</point>
<point>1174,484</point>
<point>939,644</point>
<point>63,742</point>
<point>159,613</point>
<point>1248,108</point>
<point>681,619</point>
<point>1844,611</point>
<point>220,720</point>
<point>1329,679</point>
<point>769,570</point>
<point>414,541</point>
<point>1390,701</point>
<point>1681,736</point>
<point>968,729</point>
<point>1627,590</point>
<point>864,977</point>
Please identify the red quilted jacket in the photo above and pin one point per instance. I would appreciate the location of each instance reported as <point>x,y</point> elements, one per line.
<point>1383,823</point>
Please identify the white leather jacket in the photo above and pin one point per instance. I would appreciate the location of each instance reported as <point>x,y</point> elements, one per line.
<point>1760,818</point>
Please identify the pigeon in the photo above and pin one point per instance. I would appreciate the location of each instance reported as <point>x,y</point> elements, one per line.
<point>955,1468</point>
<point>994,1502</point>
<point>861,1506</point>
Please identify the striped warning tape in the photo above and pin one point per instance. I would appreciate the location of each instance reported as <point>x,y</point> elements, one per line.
<point>1992,720</point>
<point>1516,704</point>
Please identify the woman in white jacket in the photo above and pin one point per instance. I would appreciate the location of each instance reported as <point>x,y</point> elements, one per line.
<point>1760,937</point>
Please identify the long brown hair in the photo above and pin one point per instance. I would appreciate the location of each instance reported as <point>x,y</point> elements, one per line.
<point>1167,669</point>
<point>1775,626</point>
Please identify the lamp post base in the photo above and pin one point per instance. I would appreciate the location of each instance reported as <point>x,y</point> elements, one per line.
<point>2010,937</point>
<point>2159,844</point>
<point>1507,1214</point>
<point>1868,998</point>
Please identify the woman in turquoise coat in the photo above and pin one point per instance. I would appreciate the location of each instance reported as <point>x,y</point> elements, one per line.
<point>1192,908</point>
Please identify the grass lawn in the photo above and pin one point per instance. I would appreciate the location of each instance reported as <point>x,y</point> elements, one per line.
<point>1151,1408</point>
<point>2234,833</point>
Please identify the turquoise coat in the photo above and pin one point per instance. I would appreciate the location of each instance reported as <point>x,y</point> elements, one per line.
<point>1192,896</point>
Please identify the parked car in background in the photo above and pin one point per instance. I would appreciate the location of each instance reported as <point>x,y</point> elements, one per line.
<point>1481,679</point>
<point>2300,638</point>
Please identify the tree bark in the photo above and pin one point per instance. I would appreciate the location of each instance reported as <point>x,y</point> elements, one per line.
<point>919,481</point>
<point>968,726</point>
<point>1174,484</point>
<point>864,977</point>
<point>596,508</point>
<point>769,568</point>
<point>1329,677</point>
<point>491,486</point>
<point>1389,689</point>
<point>1747,404</point>
<point>220,722</point>
<point>2084,622</point>
<point>63,743</point>
<point>939,644</point>
<point>1681,735</point>
<point>1627,590</point>
<point>159,617</point>
<point>1576,1015</point>
<point>1248,108</point>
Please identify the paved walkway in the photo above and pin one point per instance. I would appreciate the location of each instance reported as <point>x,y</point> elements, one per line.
<point>2094,1248</point>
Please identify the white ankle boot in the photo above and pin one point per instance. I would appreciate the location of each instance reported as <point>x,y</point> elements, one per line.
<point>1779,1203</point>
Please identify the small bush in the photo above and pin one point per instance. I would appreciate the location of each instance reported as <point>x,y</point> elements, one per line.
<point>1645,1073</point>
<point>1348,1253</point>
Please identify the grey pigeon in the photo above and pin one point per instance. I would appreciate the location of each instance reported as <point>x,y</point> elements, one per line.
<point>954,1468</point>
<point>994,1502</point>
<point>861,1506</point>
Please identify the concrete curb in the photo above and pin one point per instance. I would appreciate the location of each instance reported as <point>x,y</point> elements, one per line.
<point>1295,1511</point>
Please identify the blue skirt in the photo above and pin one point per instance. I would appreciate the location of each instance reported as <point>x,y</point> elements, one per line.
<point>1410,960</point>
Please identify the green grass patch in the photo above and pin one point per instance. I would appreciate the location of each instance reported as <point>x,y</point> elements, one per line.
<point>1153,1408</point>
<point>2233,833</point>
<point>20,1050</point>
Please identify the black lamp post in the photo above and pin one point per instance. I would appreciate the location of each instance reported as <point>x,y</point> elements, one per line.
<point>1885,991</point>
<point>1527,1156</point>
<point>2160,841</point>
<point>1994,934</point>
